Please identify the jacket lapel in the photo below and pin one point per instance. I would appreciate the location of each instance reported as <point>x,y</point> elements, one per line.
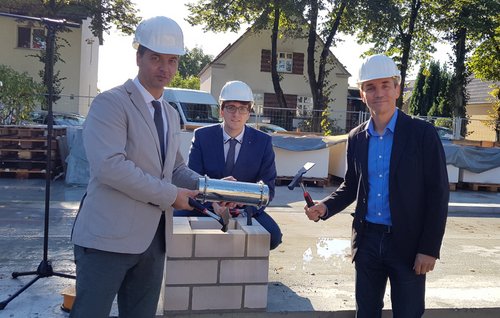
<point>362,153</point>
<point>399,142</point>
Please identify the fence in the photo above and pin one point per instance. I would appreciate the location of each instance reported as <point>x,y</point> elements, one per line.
<point>338,122</point>
<point>342,122</point>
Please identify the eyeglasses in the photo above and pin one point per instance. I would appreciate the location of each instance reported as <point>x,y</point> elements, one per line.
<point>232,109</point>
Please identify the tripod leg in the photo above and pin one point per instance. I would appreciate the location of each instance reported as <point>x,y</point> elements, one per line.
<point>64,275</point>
<point>17,274</point>
<point>8,300</point>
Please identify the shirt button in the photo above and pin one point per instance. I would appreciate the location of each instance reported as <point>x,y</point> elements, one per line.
<point>380,176</point>
<point>379,214</point>
<point>380,157</point>
<point>378,194</point>
<point>380,137</point>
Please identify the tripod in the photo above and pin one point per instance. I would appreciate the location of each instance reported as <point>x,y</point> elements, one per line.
<point>45,267</point>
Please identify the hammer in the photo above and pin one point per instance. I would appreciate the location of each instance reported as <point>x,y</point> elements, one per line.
<point>297,180</point>
<point>222,219</point>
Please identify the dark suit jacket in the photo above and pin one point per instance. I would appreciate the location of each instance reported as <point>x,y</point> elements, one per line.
<point>418,187</point>
<point>255,160</point>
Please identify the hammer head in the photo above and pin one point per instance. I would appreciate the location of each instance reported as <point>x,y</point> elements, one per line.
<point>298,176</point>
<point>224,219</point>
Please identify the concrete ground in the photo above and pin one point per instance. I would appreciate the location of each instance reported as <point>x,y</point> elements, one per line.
<point>310,274</point>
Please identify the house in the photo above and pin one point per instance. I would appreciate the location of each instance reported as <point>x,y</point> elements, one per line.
<point>479,105</point>
<point>249,59</point>
<point>22,38</point>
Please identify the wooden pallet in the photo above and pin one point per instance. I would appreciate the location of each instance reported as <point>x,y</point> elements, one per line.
<point>27,173</point>
<point>23,151</point>
<point>38,131</point>
<point>310,182</point>
<point>490,187</point>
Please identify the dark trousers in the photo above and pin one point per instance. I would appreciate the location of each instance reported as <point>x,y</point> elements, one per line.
<point>376,262</point>
<point>135,278</point>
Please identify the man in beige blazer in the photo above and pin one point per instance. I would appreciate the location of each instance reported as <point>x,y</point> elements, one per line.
<point>137,177</point>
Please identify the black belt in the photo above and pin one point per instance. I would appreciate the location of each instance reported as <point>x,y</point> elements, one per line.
<point>383,228</point>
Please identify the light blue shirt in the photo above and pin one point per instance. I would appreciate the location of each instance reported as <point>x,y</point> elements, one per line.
<point>379,160</point>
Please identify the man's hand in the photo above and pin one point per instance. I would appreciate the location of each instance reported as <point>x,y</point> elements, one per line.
<point>423,264</point>
<point>182,199</point>
<point>316,211</point>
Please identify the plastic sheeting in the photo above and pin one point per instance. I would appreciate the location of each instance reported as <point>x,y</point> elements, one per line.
<point>77,169</point>
<point>305,143</point>
<point>474,159</point>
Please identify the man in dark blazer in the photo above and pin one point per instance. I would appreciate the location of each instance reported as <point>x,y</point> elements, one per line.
<point>251,159</point>
<point>396,171</point>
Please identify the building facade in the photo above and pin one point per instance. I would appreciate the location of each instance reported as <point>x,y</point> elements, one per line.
<point>249,60</point>
<point>23,38</point>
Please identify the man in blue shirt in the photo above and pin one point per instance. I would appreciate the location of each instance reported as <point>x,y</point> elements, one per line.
<point>396,171</point>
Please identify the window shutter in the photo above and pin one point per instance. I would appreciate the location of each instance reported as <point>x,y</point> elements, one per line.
<point>298,63</point>
<point>265,61</point>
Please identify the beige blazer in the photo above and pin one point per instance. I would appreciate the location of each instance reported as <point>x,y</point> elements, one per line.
<point>128,187</point>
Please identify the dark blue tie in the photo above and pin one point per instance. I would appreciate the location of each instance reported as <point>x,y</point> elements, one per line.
<point>159,127</point>
<point>228,168</point>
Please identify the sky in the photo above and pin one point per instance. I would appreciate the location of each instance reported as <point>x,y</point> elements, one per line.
<point>117,57</point>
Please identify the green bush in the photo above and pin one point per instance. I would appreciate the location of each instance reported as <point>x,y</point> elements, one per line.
<point>19,95</point>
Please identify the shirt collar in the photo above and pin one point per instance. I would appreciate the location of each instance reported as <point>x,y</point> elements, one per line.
<point>148,98</point>
<point>390,126</point>
<point>226,137</point>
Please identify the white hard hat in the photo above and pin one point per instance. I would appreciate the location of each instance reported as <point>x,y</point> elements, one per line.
<point>378,66</point>
<point>161,35</point>
<point>237,91</point>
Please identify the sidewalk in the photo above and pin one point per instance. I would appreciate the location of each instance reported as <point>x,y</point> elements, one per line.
<point>310,274</point>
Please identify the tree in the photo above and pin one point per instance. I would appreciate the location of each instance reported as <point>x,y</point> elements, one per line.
<point>399,28</point>
<point>430,96</point>
<point>320,89</point>
<point>431,87</point>
<point>193,62</point>
<point>415,106</point>
<point>470,26</point>
<point>190,81</point>
<point>442,104</point>
<point>19,95</point>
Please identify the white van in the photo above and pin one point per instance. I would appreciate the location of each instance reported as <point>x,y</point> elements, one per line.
<point>196,108</point>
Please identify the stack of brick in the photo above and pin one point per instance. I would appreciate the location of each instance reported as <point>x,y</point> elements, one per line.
<point>209,270</point>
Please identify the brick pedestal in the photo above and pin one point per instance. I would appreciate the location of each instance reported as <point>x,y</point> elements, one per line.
<point>209,270</point>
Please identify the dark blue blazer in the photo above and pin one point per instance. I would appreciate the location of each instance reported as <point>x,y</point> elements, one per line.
<point>418,187</point>
<point>255,160</point>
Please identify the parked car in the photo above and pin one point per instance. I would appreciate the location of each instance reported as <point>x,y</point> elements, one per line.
<point>268,128</point>
<point>59,118</point>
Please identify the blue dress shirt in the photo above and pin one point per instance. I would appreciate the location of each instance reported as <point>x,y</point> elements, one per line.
<point>379,159</point>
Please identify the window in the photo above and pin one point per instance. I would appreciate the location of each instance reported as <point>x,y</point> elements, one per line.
<point>285,62</point>
<point>304,106</point>
<point>30,38</point>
